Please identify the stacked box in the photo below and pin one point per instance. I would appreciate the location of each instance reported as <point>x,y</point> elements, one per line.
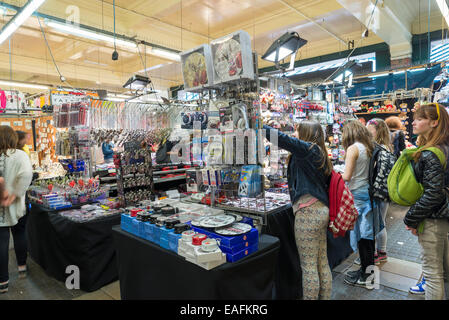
<point>173,239</point>
<point>125,222</point>
<point>148,231</point>
<point>163,240</point>
<point>156,234</point>
<point>236,247</point>
<point>242,254</point>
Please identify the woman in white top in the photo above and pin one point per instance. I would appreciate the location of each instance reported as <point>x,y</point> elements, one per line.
<point>15,168</point>
<point>358,144</point>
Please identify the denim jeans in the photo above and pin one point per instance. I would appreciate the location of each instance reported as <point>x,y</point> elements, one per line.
<point>435,256</point>
<point>20,247</point>
<point>381,238</point>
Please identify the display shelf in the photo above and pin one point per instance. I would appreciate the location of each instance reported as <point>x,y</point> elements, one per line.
<point>108,178</point>
<point>160,180</point>
<point>168,171</point>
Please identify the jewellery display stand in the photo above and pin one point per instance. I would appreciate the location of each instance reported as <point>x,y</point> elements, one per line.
<point>134,175</point>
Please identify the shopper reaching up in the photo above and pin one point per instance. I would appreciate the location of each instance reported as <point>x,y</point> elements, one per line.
<point>358,145</point>
<point>430,213</point>
<point>309,169</point>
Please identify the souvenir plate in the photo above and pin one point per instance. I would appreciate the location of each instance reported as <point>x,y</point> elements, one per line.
<point>218,221</point>
<point>238,218</point>
<point>235,229</point>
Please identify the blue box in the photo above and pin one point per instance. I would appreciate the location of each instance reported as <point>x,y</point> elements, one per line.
<point>156,234</point>
<point>148,230</point>
<point>134,227</point>
<point>141,229</point>
<point>173,241</point>
<point>251,236</point>
<point>242,254</point>
<point>164,243</point>
<point>126,219</point>
<point>248,221</point>
<point>237,248</point>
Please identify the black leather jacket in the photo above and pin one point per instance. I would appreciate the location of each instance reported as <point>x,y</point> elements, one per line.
<point>434,202</point>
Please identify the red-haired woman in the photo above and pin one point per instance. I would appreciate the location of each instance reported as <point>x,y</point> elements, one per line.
<point>431,124</point>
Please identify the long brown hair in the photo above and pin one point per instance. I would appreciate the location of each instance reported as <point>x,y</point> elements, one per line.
<point>438,136</point>
<point>354,131</point>
<point>311,131</point>
<point>8,139</point>
<point>382,132</point>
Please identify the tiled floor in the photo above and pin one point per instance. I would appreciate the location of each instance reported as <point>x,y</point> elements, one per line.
<point>396,275</point>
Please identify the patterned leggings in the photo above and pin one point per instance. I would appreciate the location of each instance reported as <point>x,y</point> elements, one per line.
<point>310,233</point>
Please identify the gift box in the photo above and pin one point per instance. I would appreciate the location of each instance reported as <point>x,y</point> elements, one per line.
<point>149,231</point>
<point>252,236</point>
<point>241,254</point>
<point>173,239</point>
<point>239,247</point>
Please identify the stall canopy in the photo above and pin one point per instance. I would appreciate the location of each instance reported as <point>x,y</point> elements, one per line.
<point>418,78</point>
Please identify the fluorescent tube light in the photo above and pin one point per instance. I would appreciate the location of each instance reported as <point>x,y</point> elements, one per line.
<point>170,55</point>
<point>85,33</point>
<point>416,70</point>
<point>19,19</point>
<point>22,85</point>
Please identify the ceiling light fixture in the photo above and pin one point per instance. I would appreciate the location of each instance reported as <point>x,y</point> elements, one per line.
<point>85,33</point>
<point>287,44</point>
<point>13,84</point>
<point>137,82</point>
<point>170,55</point>
<point>19,19</point>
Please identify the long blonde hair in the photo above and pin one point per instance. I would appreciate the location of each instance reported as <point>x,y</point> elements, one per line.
<point>354,131</point>
<point>382,132</point>
<point>311,131</point>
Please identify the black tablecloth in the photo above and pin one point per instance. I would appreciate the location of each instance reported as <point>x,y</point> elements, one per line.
<point>288,279</point>
<point>148,271</point>
<point>54,242</point>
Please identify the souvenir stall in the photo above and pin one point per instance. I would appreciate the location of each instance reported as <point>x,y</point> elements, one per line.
<point>72,214</point>
<point>227,221</point>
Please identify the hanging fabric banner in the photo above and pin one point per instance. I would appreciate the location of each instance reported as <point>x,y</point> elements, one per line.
<point>422,78</point>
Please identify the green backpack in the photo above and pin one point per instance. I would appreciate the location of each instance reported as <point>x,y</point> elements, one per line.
<point>403,188</point>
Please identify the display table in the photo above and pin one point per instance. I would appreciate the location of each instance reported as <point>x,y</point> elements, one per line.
<point>55,242</point>
<point>288,279</point>
<point>148,271</point>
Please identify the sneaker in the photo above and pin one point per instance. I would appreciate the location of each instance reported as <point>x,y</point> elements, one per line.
<point>357,261</point>
<point>23,273</point>
<point>380,257</point>
<point>4,287</point>
<point>359,280</point>
<point>419,288</point>
<point>353,273</point>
